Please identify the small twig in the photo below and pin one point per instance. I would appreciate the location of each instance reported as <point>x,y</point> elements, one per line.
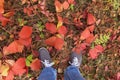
<point>36,11</point>
<point>5,30</point>
<point>16,9</point>
<point>4,57</point>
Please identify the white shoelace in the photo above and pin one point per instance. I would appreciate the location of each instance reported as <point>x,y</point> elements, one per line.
<point>75,62</point>
<point>47,63</point>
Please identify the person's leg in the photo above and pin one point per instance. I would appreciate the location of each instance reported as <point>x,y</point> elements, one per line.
<point>72,72</point>
<point>48,73</point>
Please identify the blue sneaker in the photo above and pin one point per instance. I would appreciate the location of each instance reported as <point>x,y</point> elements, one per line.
<point>45,58</point>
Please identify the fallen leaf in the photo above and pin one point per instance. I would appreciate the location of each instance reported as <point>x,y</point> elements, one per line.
<point>78,23</point>
<point>4,69</point>
<point>59,24</point>
<point>65,5</point>
<point>9,14</point>
<point>98,22</point>
<point>34,0</point>
<point>25,42</point>
<point>3,20</point>
<point>35,53</point>
<point>23,1</point>
<point>80,47</point>
<point>90,39</point>
<point>51,41</point>
<point>60,36</point>
<point>99,48</point>
<point>60,19</point>
<point>85,34</point>
<point>58,6</point>
<point>90,19</point>
<point>28,11</point>
<point>1,6</point>
<point>35,65</point>
<point>42,5</point>
<point>71,1</point>
<point>59,43</point>
<point>10,75</point>
<point>62,30</point>
<point>51,27</point>
<point>25,32</point>
<point>94,1</point>
<point>55,42</point>
<point>93,53</point>
<point>118,76</point>
<point>14,47</point>
<point>91,28</point>
<point>19,67</point>
<point>10,62</point>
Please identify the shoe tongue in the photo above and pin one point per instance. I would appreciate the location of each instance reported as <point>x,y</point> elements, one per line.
<point>77,56</point>
<point>47,63</point>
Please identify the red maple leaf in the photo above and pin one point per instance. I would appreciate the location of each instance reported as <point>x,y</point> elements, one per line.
<point>91,28</point>
<point>28,10</point>
<point>80,47</point>
<point>42,5</point>
<point>25,42</point>
<point>25,32</point>
<point>90,39</point>
<point>94,53</point>
<point>85,34</point>
<point>90,19</point>
<point>19,67</point>
<point>3,20</point>
<point>71,1</point>
<point>51,27</point>
<point>59,43</point>
<point>9,14</point>
<point>78,23</point>
<point>10,75</point>
<point>35,65</point>
<point>55,42</point>
<point>51,41</point>
<point>14,47</point>
<point>58,6</point>
<point>35,53</point>
<point>62,30</point>
<point>99,48</point>
<point>1,6</point>
<point>25,36</point>
<point>65,5</point>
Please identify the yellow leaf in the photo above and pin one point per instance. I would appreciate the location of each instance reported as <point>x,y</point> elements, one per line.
<point>59,24</point>
<point>23,1</point>
<point>59,36</point>
<point>4,70</point>
<point>58,5</point>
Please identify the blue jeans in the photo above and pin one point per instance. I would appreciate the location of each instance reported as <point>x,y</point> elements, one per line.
<point>71,73</point>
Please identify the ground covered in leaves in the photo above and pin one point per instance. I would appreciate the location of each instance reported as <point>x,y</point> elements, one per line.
<point>62,26</point>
